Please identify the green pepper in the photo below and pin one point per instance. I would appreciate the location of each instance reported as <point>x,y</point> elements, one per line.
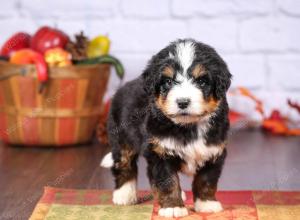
<point>105,59</point>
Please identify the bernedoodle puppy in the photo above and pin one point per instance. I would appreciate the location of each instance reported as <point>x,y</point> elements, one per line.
<point>176,115</point>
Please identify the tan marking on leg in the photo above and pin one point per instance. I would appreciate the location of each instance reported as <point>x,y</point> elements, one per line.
<point>172,197</point>
<point>127,170</point>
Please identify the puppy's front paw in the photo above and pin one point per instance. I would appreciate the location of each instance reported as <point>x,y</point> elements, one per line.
<point>208,206</point>
<point>126,194</point>
<point>173,212</point>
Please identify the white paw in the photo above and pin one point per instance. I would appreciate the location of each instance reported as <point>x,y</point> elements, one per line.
<point>126,194</point>
<point>183,195</point>
<point>107,161</point>
<point>207,206</point>
<point>173,212</point>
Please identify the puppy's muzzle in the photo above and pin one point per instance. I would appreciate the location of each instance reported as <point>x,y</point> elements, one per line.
<point>183,103</point>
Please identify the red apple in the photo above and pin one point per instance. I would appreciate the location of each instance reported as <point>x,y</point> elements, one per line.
<point>16,42</point>
<point>46,38</point>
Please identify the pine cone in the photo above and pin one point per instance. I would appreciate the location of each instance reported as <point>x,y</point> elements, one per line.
<point>78,49</point>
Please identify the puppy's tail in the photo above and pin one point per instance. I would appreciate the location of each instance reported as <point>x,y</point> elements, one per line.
<point>107,161</point>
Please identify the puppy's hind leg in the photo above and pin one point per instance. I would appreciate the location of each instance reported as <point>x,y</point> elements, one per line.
<point>124,171</point>
<point>107,161</point>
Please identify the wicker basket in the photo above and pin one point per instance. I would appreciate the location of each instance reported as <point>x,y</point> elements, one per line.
<point>66,112</point>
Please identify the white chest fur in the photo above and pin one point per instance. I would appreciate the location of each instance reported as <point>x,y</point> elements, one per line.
<point>195,153</point>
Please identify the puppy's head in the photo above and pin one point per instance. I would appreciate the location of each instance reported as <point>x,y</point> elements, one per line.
<point>187,81</point>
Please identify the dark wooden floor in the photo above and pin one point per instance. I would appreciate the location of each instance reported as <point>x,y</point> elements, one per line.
<point>255,161</point>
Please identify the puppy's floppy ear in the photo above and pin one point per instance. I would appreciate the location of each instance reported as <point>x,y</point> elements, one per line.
<point>222,81</point>
<point>152,74</point>
<point>148,81</point>
<point>150,77</point>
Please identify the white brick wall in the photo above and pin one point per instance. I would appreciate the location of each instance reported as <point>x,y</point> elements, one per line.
<point>145,9</point>
<point>217,32</point>
<point>259,39</point>
<point>270,34</point>
<point>219,8</point>
<point>291,7</point>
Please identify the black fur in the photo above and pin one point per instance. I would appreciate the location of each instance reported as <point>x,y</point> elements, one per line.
<point>135,119</point>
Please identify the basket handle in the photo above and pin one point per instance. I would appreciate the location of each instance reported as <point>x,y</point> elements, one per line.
<point>22,72</point>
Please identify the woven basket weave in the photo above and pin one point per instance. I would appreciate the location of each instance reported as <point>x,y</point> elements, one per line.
<point>65,113</point>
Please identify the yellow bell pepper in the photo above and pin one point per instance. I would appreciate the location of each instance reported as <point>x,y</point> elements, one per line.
<point>98,46</point>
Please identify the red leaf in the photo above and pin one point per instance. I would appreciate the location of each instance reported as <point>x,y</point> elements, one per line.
<point>234,116</point>
<point>294,105</point>
<point>259,104</point>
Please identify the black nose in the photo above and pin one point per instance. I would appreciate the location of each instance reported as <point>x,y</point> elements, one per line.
<point>183,102</point>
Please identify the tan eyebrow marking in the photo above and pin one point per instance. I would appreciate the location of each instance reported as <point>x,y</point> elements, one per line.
<point>198,71</point>
<point>168,72</point>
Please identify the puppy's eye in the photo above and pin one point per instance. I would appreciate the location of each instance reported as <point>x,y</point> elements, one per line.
<point>202,81</point>
<point>168,81</point>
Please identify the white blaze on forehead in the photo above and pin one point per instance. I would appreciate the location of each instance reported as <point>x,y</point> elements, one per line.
<point>185,52</point>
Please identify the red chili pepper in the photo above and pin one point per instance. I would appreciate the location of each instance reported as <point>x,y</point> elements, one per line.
<point>28,56</point>
<point>41,67</point>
